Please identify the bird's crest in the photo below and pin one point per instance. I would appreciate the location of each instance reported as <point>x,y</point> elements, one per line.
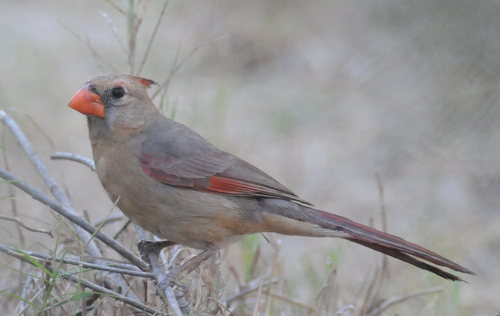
<point>146,82</point>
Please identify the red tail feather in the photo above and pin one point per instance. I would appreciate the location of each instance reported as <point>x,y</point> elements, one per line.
<point>388,244</point>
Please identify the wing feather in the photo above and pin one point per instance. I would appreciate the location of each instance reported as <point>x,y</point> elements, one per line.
<point>194,163</point>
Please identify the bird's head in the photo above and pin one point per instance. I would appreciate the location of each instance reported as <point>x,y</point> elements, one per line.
<point>115,103</point>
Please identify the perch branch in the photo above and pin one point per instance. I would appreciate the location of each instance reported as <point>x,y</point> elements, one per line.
<point>74,157</point>
<point>15,253</point>
<point>37,195</point>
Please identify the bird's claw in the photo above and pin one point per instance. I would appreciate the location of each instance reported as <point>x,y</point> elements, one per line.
<point>169,281</point>
<point>146,247</point>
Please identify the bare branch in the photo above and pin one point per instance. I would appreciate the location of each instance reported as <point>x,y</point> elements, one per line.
<point>74,157</point>
<point>127,254</point>
<point>15,253</point>
<point>56,191</point>
<point>79,281</point>
<point>179,306</point>
<point>17,220</point>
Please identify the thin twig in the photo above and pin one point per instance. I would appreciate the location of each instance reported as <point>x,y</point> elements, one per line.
<point>116,7</point>
<point>151,40</point>
<point>121,230</point>
<point>109,220</point>
<point>103,290</point>
<point>176,66</point>
<point>249,290</point>
<point>288,299</point>
<point>24,293</point>
<point>73,157</point>
<point>132,32</point>
<point>383,213</point>
<point>257,300</point>
<point>15,253</point>
<point>145,8</point>
<point>98,58</point>
<point>401,298</point>
<point>114,29</point>
<point>17,220</point>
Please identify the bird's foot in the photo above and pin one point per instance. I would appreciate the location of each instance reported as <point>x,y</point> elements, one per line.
<point>146,247</point>
<point>190,265</point>
<point>170,281</point>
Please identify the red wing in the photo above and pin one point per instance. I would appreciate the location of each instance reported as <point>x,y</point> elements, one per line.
<point>220,184</point>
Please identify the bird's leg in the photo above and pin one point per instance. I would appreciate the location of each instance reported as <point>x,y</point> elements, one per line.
<point>188,266</point>
<point>147,246</point>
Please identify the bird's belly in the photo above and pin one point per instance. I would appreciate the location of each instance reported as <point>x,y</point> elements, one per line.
<point>188,217</point>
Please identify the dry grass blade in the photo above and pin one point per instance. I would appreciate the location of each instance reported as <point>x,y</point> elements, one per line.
<point>383,213</point>
<point>249,290</point>
<point>12,195</point>
<point>116,7</point>
<point>151,40</point>
<point>97,57</point>
<point>176,66</point>
<point>114,29</point>
<point>382,273</point>
<point>401,298</point>
<point>257,300</point>
<point>134,22</point>
<point>109,220</point>
<point>293,301</point>
<point>327,297</point>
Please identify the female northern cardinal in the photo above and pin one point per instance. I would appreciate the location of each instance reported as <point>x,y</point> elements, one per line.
<point>174,183</point>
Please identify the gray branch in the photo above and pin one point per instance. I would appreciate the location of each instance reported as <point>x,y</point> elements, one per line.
<point>73,157</point>
<point>56,191</point>
<point>179,306</point>
<point>11,251</point>
<point>17,220</point>
<point>94,287</point>
<point>37,195</point>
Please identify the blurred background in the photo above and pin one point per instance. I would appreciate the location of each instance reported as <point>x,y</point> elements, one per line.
<point>322,95</point>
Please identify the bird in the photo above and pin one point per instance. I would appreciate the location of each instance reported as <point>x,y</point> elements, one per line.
<point>175,184</point>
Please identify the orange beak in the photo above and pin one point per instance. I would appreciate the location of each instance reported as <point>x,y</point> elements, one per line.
<point>87,102</point>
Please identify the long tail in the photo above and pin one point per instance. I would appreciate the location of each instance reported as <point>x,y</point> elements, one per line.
<point>385,243</point>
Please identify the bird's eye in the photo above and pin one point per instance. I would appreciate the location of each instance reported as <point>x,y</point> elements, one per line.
<point>118,92</point>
